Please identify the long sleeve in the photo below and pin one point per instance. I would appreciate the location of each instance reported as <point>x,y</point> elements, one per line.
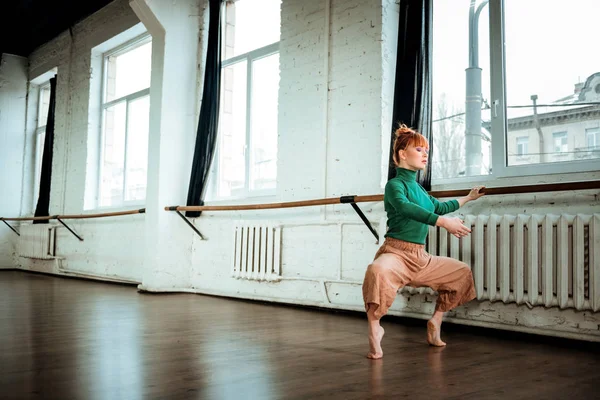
<point>395,193</point>
<point>442,208</point>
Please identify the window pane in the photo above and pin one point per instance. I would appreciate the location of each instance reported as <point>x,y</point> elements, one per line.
<point>551,78</point>
<point>137,149</point>
<point>128,72</point>
<point>113,157</point>
<point>263,141</point>
<point>453,154</point>
<point>44,105</point>
<point>249,25</point>
<point>232,125</point>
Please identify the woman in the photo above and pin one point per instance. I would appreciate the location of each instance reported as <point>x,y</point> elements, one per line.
<point>402,259</point>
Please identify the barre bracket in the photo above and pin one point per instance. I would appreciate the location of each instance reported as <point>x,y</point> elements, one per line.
<point>189,223</point>
<point>70,230</point>
<point>11,227</point>
<point>350,200</point>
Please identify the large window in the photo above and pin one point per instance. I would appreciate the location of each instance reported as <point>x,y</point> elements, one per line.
<point>246,162</point>
<point>498,78</point>
<point>125,121</point>
<point>456,72</point>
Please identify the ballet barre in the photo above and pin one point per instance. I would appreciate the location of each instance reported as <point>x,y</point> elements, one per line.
<point>61,218</point>
<point>352,200</point>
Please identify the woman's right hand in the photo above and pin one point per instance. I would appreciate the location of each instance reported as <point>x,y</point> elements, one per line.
<point>454,225</point>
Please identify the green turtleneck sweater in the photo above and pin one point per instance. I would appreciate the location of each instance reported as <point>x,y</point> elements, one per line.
<point>410,209</point>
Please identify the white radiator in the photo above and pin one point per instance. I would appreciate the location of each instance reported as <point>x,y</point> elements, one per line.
<point>547,260</point>
<point>37,241</point>
<point>257,251</point>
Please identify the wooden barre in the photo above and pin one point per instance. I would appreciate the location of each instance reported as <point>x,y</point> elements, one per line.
<point>289,204</point>
<point>28,218</point>
<point>103,215</point>
<point>552,187</point>
<point>81,216</point>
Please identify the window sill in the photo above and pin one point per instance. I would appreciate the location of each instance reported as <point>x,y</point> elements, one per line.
<point>238,200</point>
<point>495,181</point>
<point>124,207</point>
<point>523,158</point>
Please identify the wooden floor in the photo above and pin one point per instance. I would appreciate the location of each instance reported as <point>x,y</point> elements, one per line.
<point>73,339</point>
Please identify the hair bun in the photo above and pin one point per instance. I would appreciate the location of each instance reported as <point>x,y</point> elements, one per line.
<point>403,130</point>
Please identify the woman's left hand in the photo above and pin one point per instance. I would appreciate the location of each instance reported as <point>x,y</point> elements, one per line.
<point>476,192</point>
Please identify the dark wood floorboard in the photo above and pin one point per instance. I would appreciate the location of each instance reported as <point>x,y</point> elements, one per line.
<point>75,339</point>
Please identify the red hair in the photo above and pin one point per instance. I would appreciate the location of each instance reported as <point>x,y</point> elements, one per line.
<point>406,137</point>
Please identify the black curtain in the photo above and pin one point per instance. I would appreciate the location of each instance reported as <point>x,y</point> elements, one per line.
<point>206,135</point>
<point>412,89</point>
<point>43,203</point>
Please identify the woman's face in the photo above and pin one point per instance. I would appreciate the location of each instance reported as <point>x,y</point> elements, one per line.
<point>414,158</point>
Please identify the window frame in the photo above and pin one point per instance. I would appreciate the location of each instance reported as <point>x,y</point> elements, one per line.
<point>595,133</point>
<point>499,123</point>
<point>123,48</point>
<point>522,142</point>
<point>563,136</point>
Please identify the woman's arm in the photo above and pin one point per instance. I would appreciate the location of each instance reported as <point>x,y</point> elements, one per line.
<point>474,194</point>
<point>444,207</point>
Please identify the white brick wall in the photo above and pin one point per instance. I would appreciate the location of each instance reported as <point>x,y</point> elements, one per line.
<point>302,98</point>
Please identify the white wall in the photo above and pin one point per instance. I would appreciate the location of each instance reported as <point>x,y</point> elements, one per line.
<point>173,100</point>
<point>337,61</point>
<point>13,95</point>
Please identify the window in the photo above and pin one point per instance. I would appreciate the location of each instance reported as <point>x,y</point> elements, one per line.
<point>560,142</point>
<point>40,136</point>
<point>461,147</point>
<point>522,143</point>
<point>592,138</point>
<point>514,87</point>
<point>246,161</point>
<point>125,123</point>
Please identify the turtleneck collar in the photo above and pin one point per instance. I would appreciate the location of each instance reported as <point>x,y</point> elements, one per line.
<point>406,174</point>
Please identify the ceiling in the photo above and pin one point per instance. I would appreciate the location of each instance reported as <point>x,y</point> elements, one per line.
<point>27,24</point>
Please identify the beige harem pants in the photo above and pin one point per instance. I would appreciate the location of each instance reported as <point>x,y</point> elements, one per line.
<point>399,263</point>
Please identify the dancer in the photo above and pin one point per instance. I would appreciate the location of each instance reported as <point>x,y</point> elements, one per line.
<point>402,259</point>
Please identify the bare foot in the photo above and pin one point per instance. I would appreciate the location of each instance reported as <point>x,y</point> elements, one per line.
<point>375,342</point>
<point>433,334</point>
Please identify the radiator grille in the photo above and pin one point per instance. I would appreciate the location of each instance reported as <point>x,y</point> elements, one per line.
<point>257,251</point>
<point>37,241</point>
